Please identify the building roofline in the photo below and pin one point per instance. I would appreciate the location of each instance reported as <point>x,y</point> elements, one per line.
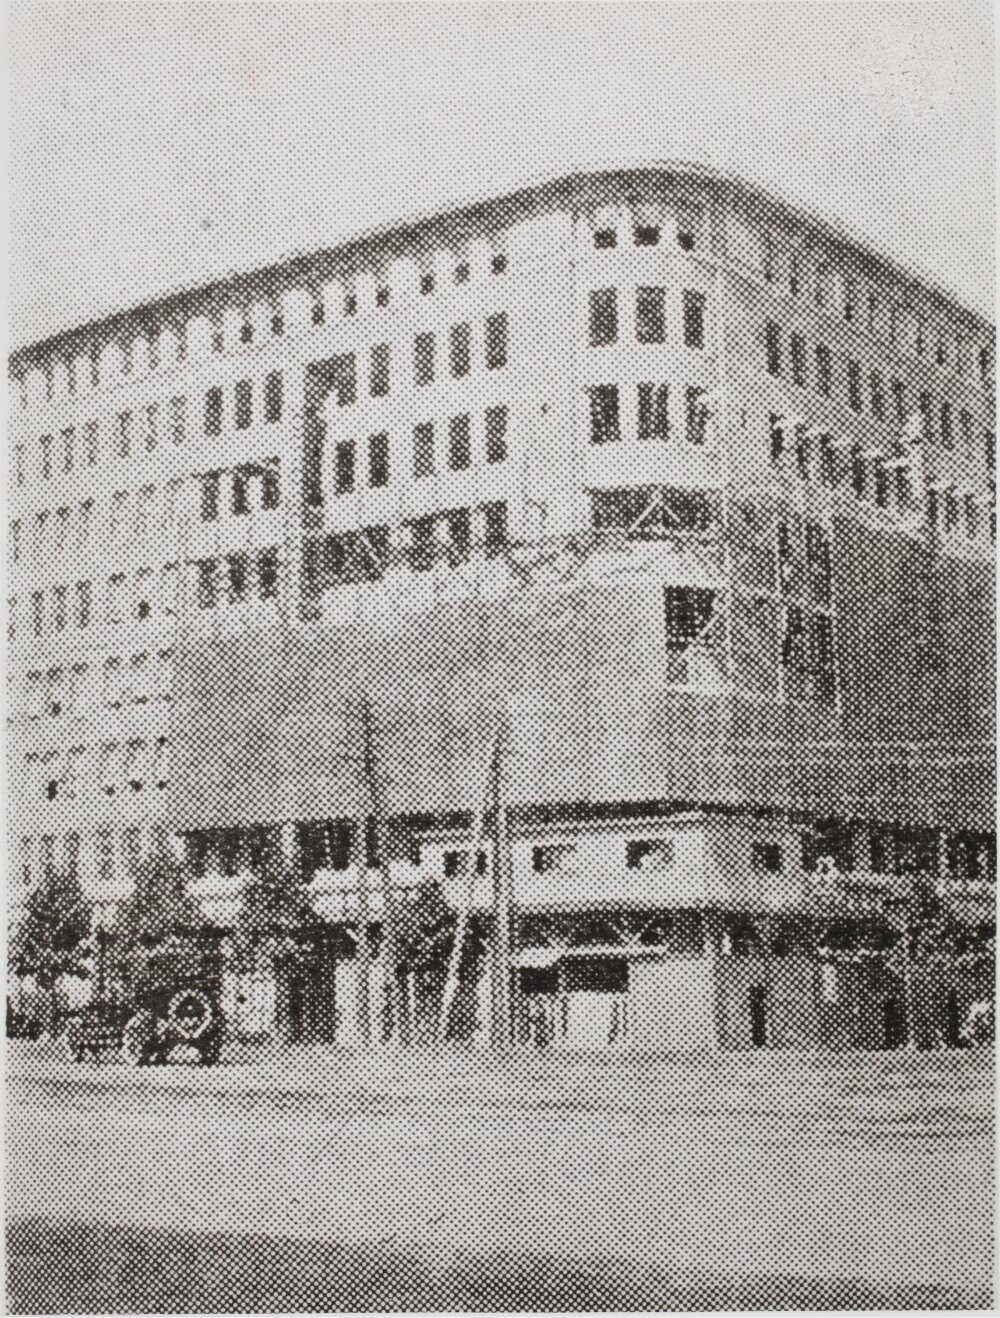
<point>461,221</point>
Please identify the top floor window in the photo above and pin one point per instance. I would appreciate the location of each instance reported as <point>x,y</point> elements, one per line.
<point>854,386</point>
<point>213,411</point>
<point>603,316</point>
<point>798,347</point>
<point>272,396</point>
<point>824,370</point>
<point>646,235</point>
<point>244,404</point>
<point>378,375</point>
<point>694,319</point>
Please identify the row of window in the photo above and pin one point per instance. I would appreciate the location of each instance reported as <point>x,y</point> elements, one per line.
<point>82,688</point>
<point>252,487</point>
<point>650,316</point>
<point>458,456</point>
<point>452,536</point>
<point>899,323</point>
<point>132,432</point>
<point>887,400</point>
<point>884,479</point>
<point>652,413</point>
<point>247,576</point>
<point>123,768</point>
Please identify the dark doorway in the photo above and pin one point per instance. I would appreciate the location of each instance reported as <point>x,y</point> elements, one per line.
<point>758,1017</point>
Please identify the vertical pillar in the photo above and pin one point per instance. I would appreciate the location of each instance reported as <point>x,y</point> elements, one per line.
<point>500,969</point>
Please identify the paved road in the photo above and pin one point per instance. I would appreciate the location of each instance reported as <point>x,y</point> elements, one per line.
<point>315,1180</point>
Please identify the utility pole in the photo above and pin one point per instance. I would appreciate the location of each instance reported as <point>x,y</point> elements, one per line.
<point>500,1022</point>
<point>380,830</point>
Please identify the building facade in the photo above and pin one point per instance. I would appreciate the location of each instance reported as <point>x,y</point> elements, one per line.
<point>688,494</point>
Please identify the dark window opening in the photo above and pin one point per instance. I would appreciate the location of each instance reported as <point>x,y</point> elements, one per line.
<point>605,238</point>
<point>858,474</point>
<point>378,375</point>
<point>378,460</point>
<point>496,340</point>
<point>603,317</point>
<point>694,319</point>
<point>654,411</point>
<point>427,283</point>
<point>236,574</point>
<point>462,273</point>
<point>647,235</point>
<point>688,611</point>
<point>604,427</point>
<point>495,528</point>
<point>273,398</point>
<point>496,434</point>
<point>460,349</point>
<point>595,974</point>
<point>459,443</point>
<point>947,435</point>
<point>899,400</point>
<point>773,339</point>
<point>318,313</point>
<point>267,573</point>
<point>877,394</point>
<point>210,496</point>
<point>343,458</point>
<point>927,415</point>
<point>498,264</point>
<point>696,414</point>
<point>685,241</point>
<point>423,449</point>
<point>350,304</point>
<point>382,297</point>
<point>423,359</point>
<point>246,334</point>
<point>213,411</point>
<point>277,325</point>
<point>206,584</point>
<point>650,315</point>
<point>244,404</point>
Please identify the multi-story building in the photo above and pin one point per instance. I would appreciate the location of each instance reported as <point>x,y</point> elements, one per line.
<point>691,493</point>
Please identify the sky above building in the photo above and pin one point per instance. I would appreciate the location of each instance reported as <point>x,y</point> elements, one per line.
<point>157,146</point>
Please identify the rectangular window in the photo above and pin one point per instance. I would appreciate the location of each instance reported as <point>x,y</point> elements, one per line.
<point>378,460</point>
<point>270,488</point>
<point>177,407</point>
<point>877,395</point>
<point>603,317</point>
<point>881,484</point>
<point>37,612</point>
<point>965,425</point>
<point>654,411</point>
<point>824,370</point>
<point>496,434</point>
<point>83,602</point>
<point>765,857</point>
<point>927,415</point>
<point>152,425</point>
<point>494,528</point>
<point>68,439</point>
<point>696,414</point>
<point>458,527</point>
<point>59,608</point>
<point>947,433</point>
<point>206,583</point>
<point>688,611</point>
<point>773,341</point>
<point>244,404</point>
<point>236,577</point>
<point>378,371</point>
<point>459,349</point>
<point>343,461</point>
<point>798,352</point>
<point>777,432</point>
<point>210,496</point>
<point>124,434</point>
<point>496,341</point>
<point>423,449</point>
<point>459,443</point>
<point>423,359</point>
<point>650,315</point>
<point>694,319</point>
<point>213,411</point>
<point>604,414</point>
<point>971,516</point>
<point>273,396</point>
<point>854,386</point>
<point>605,238</point>
<point>857,471</point>
<point>267,573</point>
<point>899,400</point>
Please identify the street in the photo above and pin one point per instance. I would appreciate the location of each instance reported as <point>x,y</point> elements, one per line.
<point>311,1179</point>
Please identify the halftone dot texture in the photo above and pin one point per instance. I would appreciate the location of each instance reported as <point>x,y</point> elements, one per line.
<point>501,711</point>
